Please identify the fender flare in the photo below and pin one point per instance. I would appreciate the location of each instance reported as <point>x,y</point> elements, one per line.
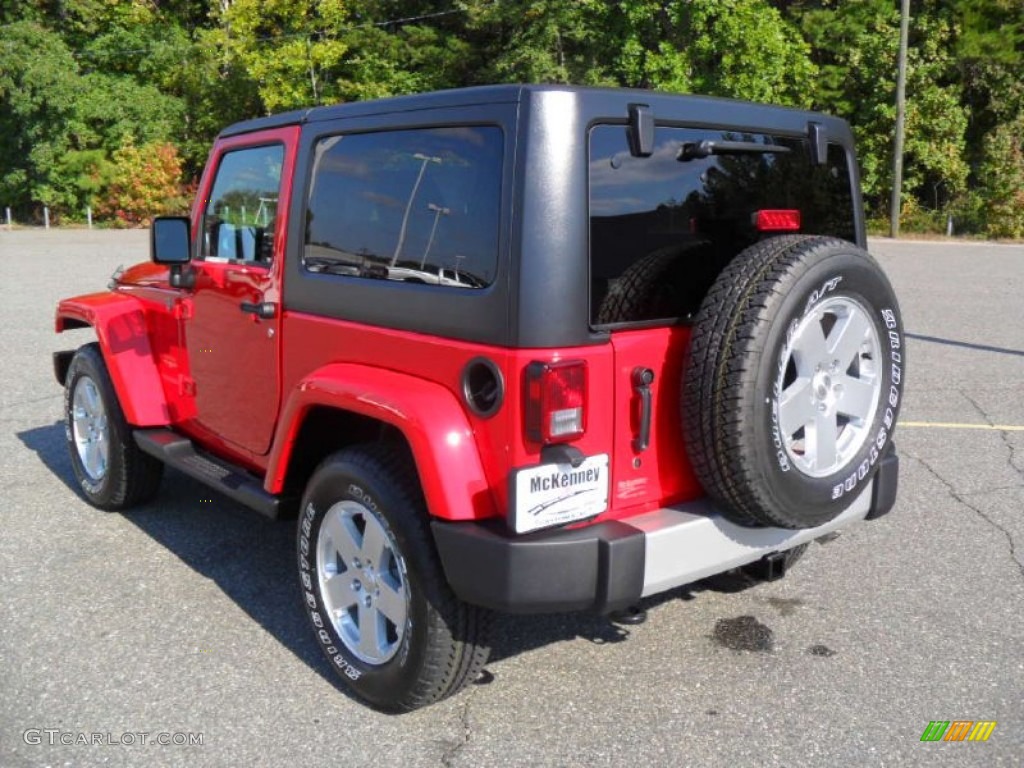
<point>120,325</point>
<point>426,413</point>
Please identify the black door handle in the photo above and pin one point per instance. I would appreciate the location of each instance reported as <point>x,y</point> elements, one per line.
<point>264,309</point>
<point>642,380</point>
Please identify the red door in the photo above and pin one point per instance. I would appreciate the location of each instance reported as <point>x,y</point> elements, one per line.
<point>232,326</point>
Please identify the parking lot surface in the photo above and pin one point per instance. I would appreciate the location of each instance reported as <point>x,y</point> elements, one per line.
<point>181,620</point>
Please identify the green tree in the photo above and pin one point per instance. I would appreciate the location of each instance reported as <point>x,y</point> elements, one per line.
<point>39,88</point>
<point>409,58</point>
<point>746,49</point>
<point>287,47</point>
<point>989,52</point>
<point>855,46</point>
<point>545,41</point>
<point>739,48</point>
<point>1001,178</point>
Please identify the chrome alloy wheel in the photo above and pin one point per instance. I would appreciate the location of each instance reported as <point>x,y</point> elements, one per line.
<point>829,386</point>
<point>90,428</point>
<point>362,582</point>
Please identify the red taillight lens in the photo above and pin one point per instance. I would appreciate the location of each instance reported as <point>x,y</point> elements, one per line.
<point>556,401</point>
<point>777,221</point>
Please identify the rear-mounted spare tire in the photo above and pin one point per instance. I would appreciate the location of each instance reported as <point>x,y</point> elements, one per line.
<point>793,380</point>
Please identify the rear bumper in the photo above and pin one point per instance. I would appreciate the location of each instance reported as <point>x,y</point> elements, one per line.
<point>607,566</point>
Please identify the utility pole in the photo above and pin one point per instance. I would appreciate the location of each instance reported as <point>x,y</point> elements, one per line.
<point>439,211</point>
<point>901,105</point>
<point>425,159</point>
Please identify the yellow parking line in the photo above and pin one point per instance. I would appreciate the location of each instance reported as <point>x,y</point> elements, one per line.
<point>955,425</point>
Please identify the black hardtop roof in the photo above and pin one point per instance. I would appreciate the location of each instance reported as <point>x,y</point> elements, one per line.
<point>495,94</point>
<point>456,97</point>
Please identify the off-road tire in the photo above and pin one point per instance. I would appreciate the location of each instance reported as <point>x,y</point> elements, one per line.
<point>131,477</point>
<point>444,644</point>
<point>735,371</point>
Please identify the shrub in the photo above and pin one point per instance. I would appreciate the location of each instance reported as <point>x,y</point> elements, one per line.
<point>143,182</point>
<point>1002,180</point>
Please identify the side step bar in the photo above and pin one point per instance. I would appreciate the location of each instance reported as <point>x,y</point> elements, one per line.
<point>182,454</point>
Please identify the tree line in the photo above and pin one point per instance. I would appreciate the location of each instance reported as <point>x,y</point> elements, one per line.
<point>114,105</point>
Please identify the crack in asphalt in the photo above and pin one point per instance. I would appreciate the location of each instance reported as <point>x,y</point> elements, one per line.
<point>959,498</point>
<point>989,491</point>
<point>449,755</point>
<point>1011,459</point>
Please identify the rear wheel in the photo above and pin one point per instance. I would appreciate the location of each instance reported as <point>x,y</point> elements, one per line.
<point>793,380</point>
<point>111,470</point>
<point>373,586</point>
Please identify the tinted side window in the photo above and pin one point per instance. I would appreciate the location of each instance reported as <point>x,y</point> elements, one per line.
<point>238,223</point>
<point>417,206</point>
<point>685,216</point>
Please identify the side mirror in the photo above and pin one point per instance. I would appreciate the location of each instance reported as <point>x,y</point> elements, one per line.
<point>171,240</point>
<point>171,244</point>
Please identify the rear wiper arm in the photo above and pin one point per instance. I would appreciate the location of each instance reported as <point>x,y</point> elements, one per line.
<point>696,150</point>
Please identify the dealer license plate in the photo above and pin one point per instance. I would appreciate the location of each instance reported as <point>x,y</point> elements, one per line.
<point>554,494</point>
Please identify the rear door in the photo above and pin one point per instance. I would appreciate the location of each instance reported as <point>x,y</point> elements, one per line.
<point>661,229</point>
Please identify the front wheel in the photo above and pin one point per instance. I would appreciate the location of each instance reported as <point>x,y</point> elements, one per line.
<point>373,587</point>
<point>111,470</point>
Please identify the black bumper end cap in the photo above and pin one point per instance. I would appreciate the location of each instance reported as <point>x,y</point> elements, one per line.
<point>597,568</point>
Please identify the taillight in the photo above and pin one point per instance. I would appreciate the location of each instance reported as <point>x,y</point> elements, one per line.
<point>556,401</point>
<point>777,221</point>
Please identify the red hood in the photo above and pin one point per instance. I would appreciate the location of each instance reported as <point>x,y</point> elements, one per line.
<point>145,273</point>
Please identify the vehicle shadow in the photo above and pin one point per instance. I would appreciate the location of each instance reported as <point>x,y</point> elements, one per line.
<point>48,443</point>
<point>248,556</point>
<point>515,634</point>
<point>251,559</point>
<point>964,344</point>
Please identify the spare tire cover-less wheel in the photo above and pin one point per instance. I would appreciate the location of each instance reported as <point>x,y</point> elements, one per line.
<point>793,380</point>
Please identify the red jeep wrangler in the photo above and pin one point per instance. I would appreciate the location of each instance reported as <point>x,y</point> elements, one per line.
<point>512,348</point>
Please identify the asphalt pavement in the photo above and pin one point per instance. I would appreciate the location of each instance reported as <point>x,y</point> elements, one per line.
<point>180,621</point>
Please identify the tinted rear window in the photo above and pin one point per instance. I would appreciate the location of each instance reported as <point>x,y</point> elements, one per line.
<point>689,217</point>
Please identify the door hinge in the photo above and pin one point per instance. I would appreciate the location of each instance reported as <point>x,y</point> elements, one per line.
<point>183,310</point>
<point>186,386</point>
